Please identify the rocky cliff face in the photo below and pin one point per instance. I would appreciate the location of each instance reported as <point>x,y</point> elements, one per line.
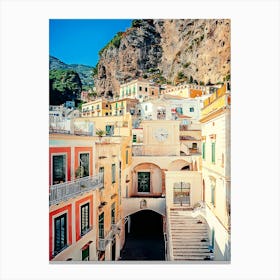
<point>170,51</point>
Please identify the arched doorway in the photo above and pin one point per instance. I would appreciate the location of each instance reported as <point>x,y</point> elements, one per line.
<point>144,237</point>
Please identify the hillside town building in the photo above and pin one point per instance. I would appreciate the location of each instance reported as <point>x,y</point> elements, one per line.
<point>150,164</point>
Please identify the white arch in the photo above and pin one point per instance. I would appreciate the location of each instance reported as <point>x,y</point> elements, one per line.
<point>177,165</point>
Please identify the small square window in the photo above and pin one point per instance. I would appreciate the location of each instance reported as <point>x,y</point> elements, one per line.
<point>134,138</point>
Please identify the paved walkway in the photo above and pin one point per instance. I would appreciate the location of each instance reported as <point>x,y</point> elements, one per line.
<point>143,248</point>
<point>145,241</point>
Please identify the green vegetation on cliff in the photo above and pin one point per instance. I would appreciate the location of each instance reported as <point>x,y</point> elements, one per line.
<point>85,72</point>
<point>64,85</point>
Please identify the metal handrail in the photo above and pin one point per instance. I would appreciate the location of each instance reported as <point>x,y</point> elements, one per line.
<point>169,243</point>
<point>64,191</point>
<point>103,242</point>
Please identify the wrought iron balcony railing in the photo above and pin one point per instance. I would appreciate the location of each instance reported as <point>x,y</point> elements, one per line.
<point>64,191</point>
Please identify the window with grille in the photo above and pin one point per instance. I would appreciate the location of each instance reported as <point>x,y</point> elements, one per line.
<point>143,181</point>
<point>84,218</point>
<point>60,233</point>
<point>181,193</point>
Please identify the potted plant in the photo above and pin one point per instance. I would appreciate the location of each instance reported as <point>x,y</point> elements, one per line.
<point>100,133</point>
<point>79,173</point>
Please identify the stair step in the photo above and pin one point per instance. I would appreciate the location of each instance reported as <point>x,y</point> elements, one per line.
<point>190,258</point>
<point>192,254</point>
<point>186,235</point>
<point>190,248</point>
<point>188,238</point>
<point>189,228</point>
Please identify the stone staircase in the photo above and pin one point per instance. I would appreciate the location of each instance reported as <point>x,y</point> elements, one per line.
<point>189,236</point>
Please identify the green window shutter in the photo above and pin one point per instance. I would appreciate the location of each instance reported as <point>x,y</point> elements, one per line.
<point>203,150</point>
<point>85,254</point>
<point>213,152</point>
<point>134,138</point>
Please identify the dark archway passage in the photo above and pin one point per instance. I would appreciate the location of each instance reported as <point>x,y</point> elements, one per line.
<point>145,240</point>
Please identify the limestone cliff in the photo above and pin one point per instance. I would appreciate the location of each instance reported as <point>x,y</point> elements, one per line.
<point>172,51</point>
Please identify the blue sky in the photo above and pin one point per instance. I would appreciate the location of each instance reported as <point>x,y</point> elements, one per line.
<point>80,40</point>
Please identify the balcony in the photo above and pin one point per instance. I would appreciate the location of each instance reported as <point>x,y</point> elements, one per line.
<point>59,131</point>
<point>64,191</point>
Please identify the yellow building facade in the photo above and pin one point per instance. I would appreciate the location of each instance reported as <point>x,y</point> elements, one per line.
<point>123,105</point>
<point>108,159</point>
<point>96,108</point>
<point>216,168</point>
<point>139,88</point>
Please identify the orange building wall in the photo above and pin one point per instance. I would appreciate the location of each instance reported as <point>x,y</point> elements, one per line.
<point>195,92</point>
<point>67,208</point>
<point>78,205</point>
